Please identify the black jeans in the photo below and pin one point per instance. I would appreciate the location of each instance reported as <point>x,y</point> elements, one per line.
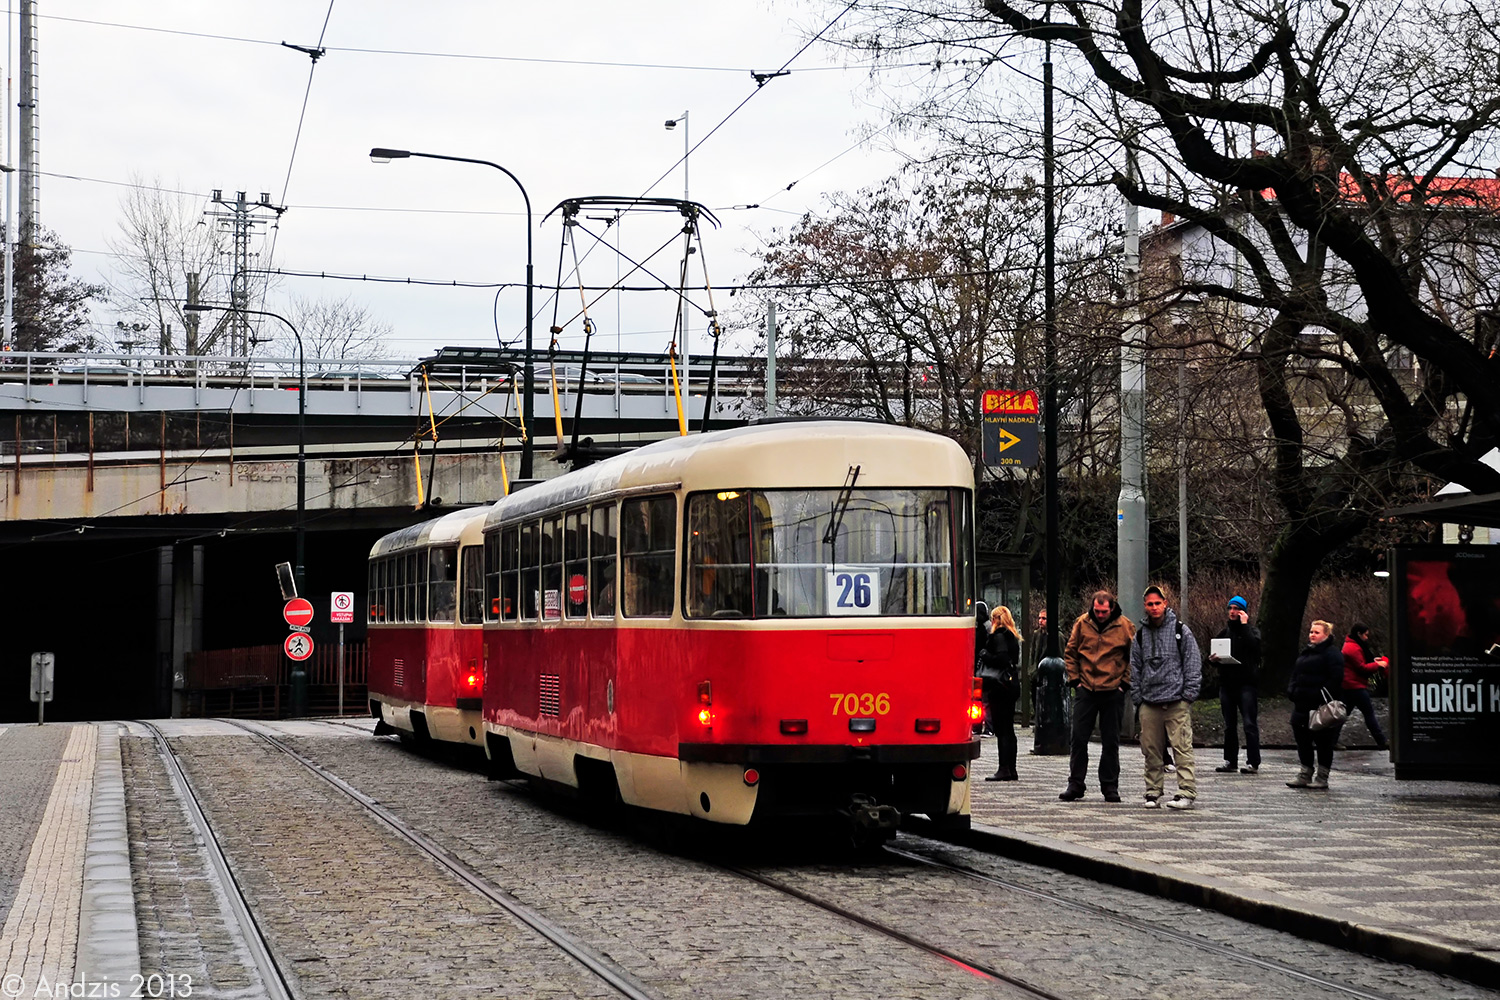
<point>1360,698</point>
<point>1240,702</point>
<point>1309,740</point>
<point>1000,710</point>
<point>1103,707</point>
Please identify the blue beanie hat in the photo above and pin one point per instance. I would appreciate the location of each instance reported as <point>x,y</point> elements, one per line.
<point>1239,602</point>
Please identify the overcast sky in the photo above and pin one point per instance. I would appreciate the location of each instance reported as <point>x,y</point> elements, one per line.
<point>202,96</point>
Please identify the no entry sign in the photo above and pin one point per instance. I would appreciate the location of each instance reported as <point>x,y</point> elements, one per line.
<point>298,611</point>
<point>298,646</point>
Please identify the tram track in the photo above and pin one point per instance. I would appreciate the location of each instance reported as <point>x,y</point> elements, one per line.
<point>971,965</point>
<point>592,960</point>
<point>988,970</point>
<point>1165,933</point>
<point>246,926</point>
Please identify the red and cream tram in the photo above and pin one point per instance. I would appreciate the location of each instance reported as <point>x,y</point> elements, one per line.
<point>426,675</point>
<point>768,621</point>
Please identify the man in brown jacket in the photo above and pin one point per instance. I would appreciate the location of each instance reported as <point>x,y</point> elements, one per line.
<point>1098,662</point>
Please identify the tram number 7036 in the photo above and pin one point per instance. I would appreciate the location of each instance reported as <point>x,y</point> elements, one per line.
<point>861,704</point>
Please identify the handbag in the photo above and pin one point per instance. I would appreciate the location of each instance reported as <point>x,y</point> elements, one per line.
<point>1330,713</point>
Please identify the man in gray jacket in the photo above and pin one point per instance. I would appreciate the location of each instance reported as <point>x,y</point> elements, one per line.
<point>1167,668</point>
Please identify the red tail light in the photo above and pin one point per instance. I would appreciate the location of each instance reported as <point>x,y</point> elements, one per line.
<point>752,776</point>
<point>960,772</point>
<point>472,680</point>
<point>705,717</point>
<point>929,725</point>
<point>977,690</point>
<point>794,727</point>
<point>976,711</point>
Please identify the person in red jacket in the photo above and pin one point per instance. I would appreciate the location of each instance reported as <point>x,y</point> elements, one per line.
<point>1360,666</point>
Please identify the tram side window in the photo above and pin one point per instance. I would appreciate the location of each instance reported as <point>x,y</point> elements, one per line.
<point>575,577</point>
<point>471,585</point>
<point>372,587</point>
<point>718,555</point>
<point>648,553</point>
<point>602,558</point>
<point>492,576</point>
<point>442,584</point>
<point>552,562</point>
<point>416,568</point>
<point>510,579</point>
<point>398,588</point>
<point>531,596</point>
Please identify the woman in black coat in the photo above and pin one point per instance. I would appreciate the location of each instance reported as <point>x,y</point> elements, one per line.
<point>1000,672</point>
<point>1317,675</point>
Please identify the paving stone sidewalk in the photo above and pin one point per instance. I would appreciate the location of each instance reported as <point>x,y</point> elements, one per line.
<point>1373,862</point>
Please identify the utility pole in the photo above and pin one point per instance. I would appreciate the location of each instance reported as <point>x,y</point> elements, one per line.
<point>241,217</point>
<point>1130,518</point>
<point>30,177</point>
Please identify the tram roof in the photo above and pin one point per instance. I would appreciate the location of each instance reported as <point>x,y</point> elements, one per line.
<point>448,527</point>
<point>805,454</point>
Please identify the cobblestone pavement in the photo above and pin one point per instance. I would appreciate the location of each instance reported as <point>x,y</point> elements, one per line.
<point>39,940</point>
<point>29,758</point>
<point>680,924</point>
<point>1411,857</point>
<point>683,928</point>
<point>183,923</point>
<point>352,910</point>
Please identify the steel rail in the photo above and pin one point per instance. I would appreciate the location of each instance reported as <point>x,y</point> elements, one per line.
<point>275,982</point>
<point>1180,937</point>
<point>612,974</point>
<point>938,951</point>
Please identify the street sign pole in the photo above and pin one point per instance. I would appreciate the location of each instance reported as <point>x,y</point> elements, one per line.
<point>42,669</point>
<point>341,610</point>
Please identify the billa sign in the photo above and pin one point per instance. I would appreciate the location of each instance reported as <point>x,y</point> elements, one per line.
<point>1007,425</point>
<point>1445,674</point>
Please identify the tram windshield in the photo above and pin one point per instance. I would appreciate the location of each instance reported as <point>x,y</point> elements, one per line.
<point>804,553</point>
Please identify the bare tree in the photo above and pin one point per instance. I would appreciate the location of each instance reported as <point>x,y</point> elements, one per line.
<point>334,332</point>
<point>1335,160</point>
<point>165,242</point>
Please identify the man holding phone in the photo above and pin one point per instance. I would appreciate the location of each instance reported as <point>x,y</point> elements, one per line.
<point>1237,694</point>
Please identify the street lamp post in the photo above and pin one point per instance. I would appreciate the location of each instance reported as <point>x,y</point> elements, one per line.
<point>382,155</point>
<point>299,669</point>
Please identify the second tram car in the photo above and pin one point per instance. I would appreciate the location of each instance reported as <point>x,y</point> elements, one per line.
<point>426,615</point>
<point>774,620</point>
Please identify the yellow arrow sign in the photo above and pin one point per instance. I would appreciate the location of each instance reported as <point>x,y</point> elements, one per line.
<point>1007,438</point>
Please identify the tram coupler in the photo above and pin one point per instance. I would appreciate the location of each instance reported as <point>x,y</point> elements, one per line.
<point>868,816</point>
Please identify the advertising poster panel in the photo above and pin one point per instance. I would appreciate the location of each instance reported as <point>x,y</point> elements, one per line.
<point>1445,680</point>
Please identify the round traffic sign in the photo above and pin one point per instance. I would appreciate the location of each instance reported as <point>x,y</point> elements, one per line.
<point>298,646</point>
<point>298,611</point>
<point>578,588</point>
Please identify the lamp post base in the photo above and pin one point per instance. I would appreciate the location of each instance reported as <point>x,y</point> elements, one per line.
<point>299,691</point>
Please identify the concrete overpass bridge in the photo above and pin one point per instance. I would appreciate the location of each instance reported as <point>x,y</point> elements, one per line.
<point>211,442</point>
